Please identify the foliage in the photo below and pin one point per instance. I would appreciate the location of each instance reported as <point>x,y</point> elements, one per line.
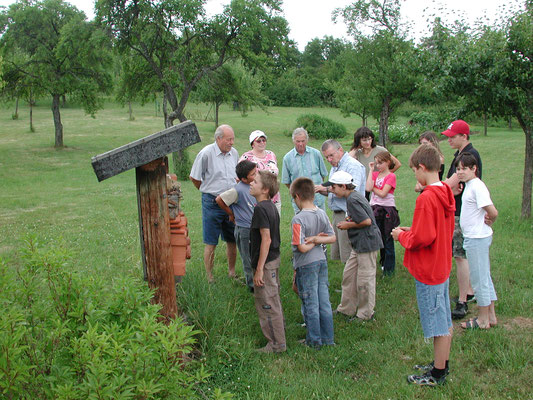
<point>384,71</point>
<point>48,45</point>
<point>179,44</point>
<point>70,335</point>
<point>320,127</point>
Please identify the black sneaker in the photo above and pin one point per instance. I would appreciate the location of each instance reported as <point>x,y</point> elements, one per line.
<point>425,368</point>
<point>460,311</point>
<point>470,298</point>
<point>426,380</point>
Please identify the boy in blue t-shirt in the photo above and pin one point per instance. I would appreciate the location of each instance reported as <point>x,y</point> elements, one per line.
<point>311,231</point>
<point>239,205</point>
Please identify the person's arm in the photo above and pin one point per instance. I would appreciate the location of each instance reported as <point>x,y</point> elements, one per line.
<point>491,215</point>
<point>382,192</point>
<point>225,207</point>
<point>354,225</point>
<point>397,164</point>
<point>369,179</point>
<point>195,182</point>
<point>323,190</point>
<point>453,182</point>
<point>263,253</point>
<point>399,229</point>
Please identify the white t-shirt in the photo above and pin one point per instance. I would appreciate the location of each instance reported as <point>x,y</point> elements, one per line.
<point>475,197</point>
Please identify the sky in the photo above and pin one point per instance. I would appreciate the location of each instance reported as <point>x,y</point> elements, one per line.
<point>309,19</point>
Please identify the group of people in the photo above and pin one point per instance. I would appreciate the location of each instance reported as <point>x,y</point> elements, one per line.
<point>241,203</point>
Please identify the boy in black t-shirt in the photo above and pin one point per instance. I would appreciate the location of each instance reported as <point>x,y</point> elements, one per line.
<point>264,249</point>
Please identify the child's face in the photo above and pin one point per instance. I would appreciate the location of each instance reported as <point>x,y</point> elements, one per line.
<point>250,177</point>
<point>256,186</point>
<point>420,174</point>
<point>465,173</point>
<point>338,190</point>
<point>381,165</point>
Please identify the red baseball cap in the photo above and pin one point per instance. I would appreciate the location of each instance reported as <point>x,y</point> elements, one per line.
<point>456,128</point>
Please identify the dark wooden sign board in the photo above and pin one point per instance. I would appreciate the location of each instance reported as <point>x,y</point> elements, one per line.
<point>148,157</point>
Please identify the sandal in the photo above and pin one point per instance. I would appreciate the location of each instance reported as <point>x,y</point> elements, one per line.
<point>472,324</point>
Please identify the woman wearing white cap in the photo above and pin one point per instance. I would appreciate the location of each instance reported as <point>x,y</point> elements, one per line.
<point>265,159</point>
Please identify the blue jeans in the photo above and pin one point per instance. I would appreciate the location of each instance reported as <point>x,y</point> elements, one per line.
<point>434,307</point>
<point>242,237</point>
<point>313,289</point>
<point>215,222</point>
<point>388,256</point>
<point>477,253</point>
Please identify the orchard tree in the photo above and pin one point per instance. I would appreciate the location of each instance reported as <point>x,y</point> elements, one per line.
<point>180,44</point>
<point>63,53</point>
<point>385,69</point>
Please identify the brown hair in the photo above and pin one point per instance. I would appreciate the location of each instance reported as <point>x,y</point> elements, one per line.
<point>426,155</point>
<point>431,137</point>
<point>361,133</point>
<point>304,188</point>
<point>270,182</point>
<point>468,161</point>
<point>385,156</point>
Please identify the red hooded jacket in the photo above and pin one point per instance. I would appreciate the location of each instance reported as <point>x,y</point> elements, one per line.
<point>428,245</point>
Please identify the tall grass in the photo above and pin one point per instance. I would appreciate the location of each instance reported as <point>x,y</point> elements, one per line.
<point>55,194</point>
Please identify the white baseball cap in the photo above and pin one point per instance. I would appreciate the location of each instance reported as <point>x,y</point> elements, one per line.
<point>339,178</point>
<point>256,134</point>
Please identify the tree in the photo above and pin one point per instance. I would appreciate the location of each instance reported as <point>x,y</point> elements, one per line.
<point>63,54</point>
<point>180,45</point>
<point>384,72</point>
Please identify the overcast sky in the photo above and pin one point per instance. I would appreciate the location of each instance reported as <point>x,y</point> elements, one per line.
<point>309,19</point>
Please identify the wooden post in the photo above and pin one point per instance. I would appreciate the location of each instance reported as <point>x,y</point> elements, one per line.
<point>152,192</point>
<point>148,157</point>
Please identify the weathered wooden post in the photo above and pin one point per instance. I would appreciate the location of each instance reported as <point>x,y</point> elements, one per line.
<point>148,157</point>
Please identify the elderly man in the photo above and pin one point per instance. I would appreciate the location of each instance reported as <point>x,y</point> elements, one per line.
<point>304,161</point>
<point>341,161</point>
<point>213,172</point>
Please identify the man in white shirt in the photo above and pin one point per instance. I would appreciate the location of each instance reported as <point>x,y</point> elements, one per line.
<point>213,172</point>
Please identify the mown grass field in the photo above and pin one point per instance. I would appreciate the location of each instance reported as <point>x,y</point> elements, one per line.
<point>55,195</point>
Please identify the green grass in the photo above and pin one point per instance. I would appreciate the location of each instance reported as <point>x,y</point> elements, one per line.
<point>55,195</point>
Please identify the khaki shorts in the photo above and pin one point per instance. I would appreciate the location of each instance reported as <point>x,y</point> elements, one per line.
<point>457,241</point>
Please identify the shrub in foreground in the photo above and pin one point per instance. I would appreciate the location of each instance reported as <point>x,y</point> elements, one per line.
<point>71,335</point>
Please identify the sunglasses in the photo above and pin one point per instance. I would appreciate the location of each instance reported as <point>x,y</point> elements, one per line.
<point>261,140</point>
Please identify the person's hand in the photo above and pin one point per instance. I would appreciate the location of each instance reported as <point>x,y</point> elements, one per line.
<point>371,165</point>
<point>258,278</point>
<point>310,239</point>
<point>343,225</point>
<point>395,233</point>
<point>488,220</point>
<point>232,218</point>
<point>320,188</point>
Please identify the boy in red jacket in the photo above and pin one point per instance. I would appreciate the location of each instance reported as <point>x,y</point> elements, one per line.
<point>428,257</point>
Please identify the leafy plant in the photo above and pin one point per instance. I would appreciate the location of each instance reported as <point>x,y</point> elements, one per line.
<point>67,335</point>
<point>320,127</point>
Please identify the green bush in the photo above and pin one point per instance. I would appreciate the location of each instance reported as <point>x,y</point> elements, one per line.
<point>320,127</point>
<point>69,335</point>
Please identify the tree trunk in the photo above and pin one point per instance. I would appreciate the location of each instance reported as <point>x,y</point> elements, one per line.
<point>130,111</point>
<point>16,115</point>
<point>526,123</point>
<point>57,121</point>
<point>384,123</point>
<point>168,122</point>
<point>217,106</point>
<point>485,124</point>
<point>31,112</point>
<point>63,101</point>
<point>510,122</point>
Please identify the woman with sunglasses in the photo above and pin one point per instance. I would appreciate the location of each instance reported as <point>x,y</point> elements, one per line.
<point>265,159</point>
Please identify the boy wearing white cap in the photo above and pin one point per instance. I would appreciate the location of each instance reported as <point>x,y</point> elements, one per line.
<point>359,277</point>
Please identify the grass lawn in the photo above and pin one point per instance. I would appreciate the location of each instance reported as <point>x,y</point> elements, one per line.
<point>55,195</point>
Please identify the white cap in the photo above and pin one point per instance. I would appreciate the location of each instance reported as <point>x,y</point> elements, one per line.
<point>256,134</point>
<point>339,178</point>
